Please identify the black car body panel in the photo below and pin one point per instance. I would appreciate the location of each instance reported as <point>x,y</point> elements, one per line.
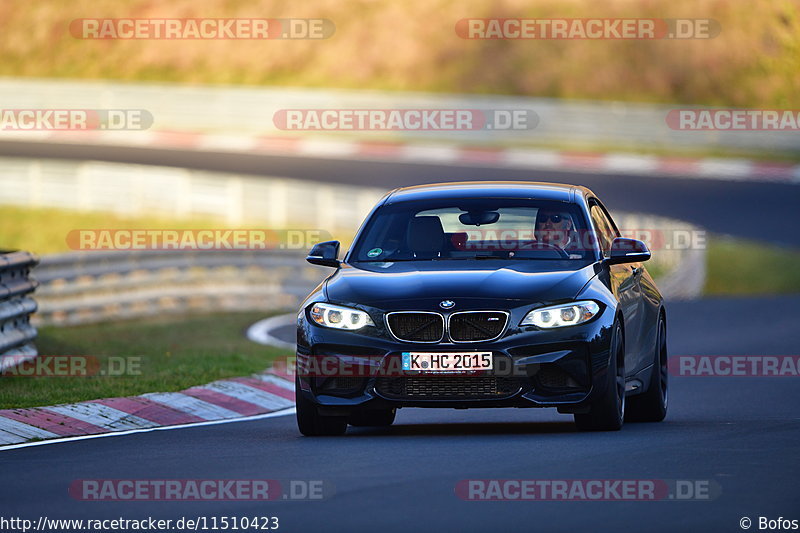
<point>406,282</point>
<point>534,367</point>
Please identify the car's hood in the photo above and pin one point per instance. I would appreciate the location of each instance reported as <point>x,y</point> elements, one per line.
<point>377,284</point>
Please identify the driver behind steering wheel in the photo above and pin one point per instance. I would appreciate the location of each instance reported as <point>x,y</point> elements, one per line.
<point>554,228</point>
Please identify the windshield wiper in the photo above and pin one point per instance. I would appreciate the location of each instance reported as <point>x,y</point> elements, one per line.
<point>499,257</point>
<point>469,258</point>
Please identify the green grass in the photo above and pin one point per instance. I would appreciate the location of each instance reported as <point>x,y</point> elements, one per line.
<point>741,267</point>
<point>52,225</point>
<point>656,270</point>
<point>176,353</point>
<point>44,230</point>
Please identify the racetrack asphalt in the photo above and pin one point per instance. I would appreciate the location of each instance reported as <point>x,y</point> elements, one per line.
<point>740,433</point>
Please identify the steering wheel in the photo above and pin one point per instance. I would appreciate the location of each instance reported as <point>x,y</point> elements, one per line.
<point>547,246</point>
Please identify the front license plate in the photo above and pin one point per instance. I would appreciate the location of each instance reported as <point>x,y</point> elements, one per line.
<point>447,362</point>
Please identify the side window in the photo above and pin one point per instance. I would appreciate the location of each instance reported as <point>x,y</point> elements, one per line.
<point>606,233</point>
<point>611,225</point>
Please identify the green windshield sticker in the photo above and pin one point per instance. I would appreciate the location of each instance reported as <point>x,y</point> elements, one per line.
<point>375,252</point>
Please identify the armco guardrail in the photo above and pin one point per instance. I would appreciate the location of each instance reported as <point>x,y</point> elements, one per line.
<point>16,305</point>
<point>250,111</point>
<point>147,190</point>
<point>85,287</point>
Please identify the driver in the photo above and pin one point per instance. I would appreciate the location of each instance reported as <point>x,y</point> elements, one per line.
<point>553,227</point>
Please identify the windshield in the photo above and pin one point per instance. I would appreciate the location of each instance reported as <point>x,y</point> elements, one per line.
<point>474,229</point>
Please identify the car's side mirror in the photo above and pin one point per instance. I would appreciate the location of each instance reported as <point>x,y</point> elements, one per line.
<point>625,250</point>
<point>325,254</point>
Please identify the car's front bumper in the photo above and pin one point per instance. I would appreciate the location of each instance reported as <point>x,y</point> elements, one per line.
<point>562,367</point>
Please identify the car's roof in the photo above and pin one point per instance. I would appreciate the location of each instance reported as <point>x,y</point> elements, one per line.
<point>488,189</point>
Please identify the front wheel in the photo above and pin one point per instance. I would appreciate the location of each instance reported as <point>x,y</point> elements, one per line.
<point>651,405</point>
<point>310,422</point>
<point>608,411</point>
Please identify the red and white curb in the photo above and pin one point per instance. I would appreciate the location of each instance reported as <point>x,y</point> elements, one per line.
<point>727,169</point>
<point>227,399</point>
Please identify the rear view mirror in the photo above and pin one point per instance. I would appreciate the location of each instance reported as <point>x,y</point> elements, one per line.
<point>324,254</point>
<point>477,218</point>
<point>625,250</point>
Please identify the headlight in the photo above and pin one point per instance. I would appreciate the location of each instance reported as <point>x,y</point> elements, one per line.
<point>557,316</point>
<point>336,316</point>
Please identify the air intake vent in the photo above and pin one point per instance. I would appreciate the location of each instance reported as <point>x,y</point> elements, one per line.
<point>416,326</point>
<point>447,387</point>
<point>474,326</point>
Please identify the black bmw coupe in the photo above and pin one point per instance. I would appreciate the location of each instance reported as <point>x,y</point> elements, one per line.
<point>483,294</point>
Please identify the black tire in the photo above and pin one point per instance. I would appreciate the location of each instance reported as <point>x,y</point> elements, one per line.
<point>373,417</point>
<point>310,422</point>
<point>651,405</point>
<point>608,411</point>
